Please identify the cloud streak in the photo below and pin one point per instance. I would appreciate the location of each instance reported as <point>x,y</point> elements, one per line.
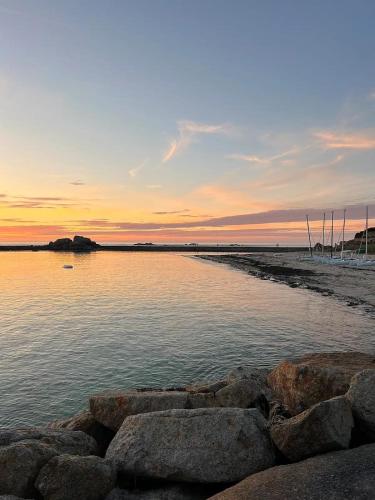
<point>334,140</point>
<point>172,212</point>
<point>263,160</point>
<point>133,172</point>
<point>39,202</point>
<point>188,131</point>
<point>267,217</point>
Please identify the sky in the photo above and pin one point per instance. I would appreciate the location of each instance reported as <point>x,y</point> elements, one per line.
<point>185,121</point>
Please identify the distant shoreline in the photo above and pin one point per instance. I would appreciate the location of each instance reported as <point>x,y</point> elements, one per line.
<point>162,248</point>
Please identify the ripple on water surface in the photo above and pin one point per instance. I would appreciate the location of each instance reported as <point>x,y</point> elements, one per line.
<point>121,320</point>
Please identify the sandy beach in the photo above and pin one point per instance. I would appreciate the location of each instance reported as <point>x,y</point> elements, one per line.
<point>353,285</point>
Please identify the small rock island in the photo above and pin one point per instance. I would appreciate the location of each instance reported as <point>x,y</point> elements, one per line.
<point>77,244</point>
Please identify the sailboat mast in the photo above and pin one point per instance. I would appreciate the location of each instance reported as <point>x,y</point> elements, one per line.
<point>331,234</point>
<point>308,230</point>
<point>366,231</point>
<point>343,234</point>
<point>324,225</point>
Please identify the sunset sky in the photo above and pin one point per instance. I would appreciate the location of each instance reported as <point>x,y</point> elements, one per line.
<point>185,120</point>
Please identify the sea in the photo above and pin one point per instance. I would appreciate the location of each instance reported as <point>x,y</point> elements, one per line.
<point>120,320</point>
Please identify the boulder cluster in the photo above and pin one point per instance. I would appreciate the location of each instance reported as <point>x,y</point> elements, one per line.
<point>302,431</point>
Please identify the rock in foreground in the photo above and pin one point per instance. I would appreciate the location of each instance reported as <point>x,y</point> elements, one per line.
<point>86,423</point>
<point>340,475</point>
<point>111,408</point>
<point>62,441</point>
<point>204,445</point>
<point>19,466</point>
<point>326,426</point>
<point>75,478</point>
<point>302,382</point>
<point>361,395</point>
<point>23,452</point>
<point>170,492</point>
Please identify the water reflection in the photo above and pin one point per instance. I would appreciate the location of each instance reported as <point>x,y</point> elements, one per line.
<point>122,319</point>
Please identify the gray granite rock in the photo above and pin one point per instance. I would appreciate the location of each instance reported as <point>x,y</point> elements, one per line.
<point>340,475</point>
<point>243,393</point>
<point>68,477</point>
<point>63,441</point>
<point>173,492</point>
<point>361,395</point>
<point>207,387</point>
<point>86,423</point>
<point>201,400</point>
<point>20,463</point>
<point>203,445</point>
<point>110,408</point>
<point>326,426</point>
<point>257,375</point>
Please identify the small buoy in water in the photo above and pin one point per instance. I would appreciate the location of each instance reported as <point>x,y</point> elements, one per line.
<point>67,266</point>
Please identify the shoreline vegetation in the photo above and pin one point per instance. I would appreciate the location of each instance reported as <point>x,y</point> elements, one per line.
<point>302,430</point>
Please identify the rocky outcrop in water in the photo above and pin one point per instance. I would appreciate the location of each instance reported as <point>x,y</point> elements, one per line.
<point>77,244</point>
<point>253,426</point>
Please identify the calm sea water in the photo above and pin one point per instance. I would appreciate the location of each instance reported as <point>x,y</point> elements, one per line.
<point>120,320</point>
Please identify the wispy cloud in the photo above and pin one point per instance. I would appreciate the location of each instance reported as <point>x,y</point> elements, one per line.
<point>77,183</point>
<point>45,202</point>
<point>263,160</point>
<point>259,218</point>
<point>334,140</point>
<point>133,172</point>
<point>188,131</point>
<point>172,212</point>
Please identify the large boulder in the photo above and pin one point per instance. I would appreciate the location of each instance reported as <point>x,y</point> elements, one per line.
<point>206,387</point>
<point>86,423</point>
<point>63,441</point>
<point>302,382</point>
<point>111,408</point>
<point>204,445</point>
<point>340,475</point>
<point>201,400</point>
<point>326,426</point>
<point>20,463</point>
<point>169,492</point>
<point>361,395</point>
<point>243,393</point>
<point>256,375</point>
<point>68,477</point>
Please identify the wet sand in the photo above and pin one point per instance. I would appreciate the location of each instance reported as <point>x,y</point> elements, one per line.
<point>354,286</point>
